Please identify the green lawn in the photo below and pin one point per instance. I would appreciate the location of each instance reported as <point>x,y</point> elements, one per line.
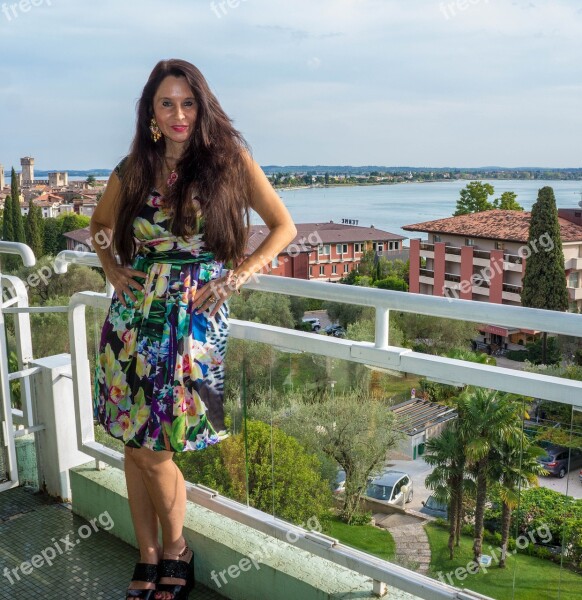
<point>535,579</point>
<point>363,537</point>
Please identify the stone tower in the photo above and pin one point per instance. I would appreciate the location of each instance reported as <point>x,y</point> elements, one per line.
<point>2,181</point>
<point>27,164</point>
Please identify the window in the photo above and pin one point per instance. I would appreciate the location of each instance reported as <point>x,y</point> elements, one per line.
<point>338,248</point>
<point>322,269</point>
<point>436,238</point>
<point>469,242</point>
<point>334,269</point>
<point>341,248</point>
<point>275,262</point>
<point>396,245</point>
<point>359,247</point>
<point>574,279</point>
<point>310,271</point>
<point>346,268</point>
<point>380,247</point>
<point>323,249</point>
<point>499,245</point>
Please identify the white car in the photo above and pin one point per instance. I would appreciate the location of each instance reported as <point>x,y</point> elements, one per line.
<point>314,321</point>
<point>389,487</point>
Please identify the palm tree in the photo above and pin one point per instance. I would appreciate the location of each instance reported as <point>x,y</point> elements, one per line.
<point>486,420</point>
<point>514,466</point>
<point>446,453</point>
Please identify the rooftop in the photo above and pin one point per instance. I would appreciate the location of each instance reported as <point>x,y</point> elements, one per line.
<point>417,414</point>
<point>506,225</point>
<point>312,234</point>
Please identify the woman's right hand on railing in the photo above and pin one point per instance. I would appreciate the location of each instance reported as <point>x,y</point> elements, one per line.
<point>122,280</point>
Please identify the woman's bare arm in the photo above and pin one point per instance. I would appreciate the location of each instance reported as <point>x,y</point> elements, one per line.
<point>101,228</point>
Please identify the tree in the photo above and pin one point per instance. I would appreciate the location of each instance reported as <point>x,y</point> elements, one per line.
<point>90,180</point>
<point>487,419</point>
<point>266,466</point>
<point>514,464</point>
<point>433,335</point>
<point>7,229</point>
<point>34,229</point>
<point>52,236</point>
<point>446,454</point>
<point>43,284</point>
<point>544,281</point>
<point>17,222</point>
<point>507,201</point>
<point>9,262</point>
<point>353,429</point>
<point>474,198</point>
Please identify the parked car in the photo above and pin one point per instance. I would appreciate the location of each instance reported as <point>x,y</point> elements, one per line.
<point>335,330</point>
<point>558,460</point>
<point>314,322</point>
<point>434,508</point>
<point>388,487</point>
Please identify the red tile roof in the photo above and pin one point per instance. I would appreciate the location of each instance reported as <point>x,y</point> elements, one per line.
<point>312,234</point>
<point>507,225</point>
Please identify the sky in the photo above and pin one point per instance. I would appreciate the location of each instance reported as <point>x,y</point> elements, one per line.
<point>462,83</point>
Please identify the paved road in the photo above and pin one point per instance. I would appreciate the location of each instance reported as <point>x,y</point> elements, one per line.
<point>569,485</point>
<point>418,470</point>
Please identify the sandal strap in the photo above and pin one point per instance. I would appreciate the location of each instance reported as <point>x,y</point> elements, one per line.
<point>174,568</point>
<point>145,572</point>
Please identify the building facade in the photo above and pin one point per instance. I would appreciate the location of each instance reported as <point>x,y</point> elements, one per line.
<point>58,179</point>
<point>482,257</point>
<point>2,179</point>
<point>326,251</point>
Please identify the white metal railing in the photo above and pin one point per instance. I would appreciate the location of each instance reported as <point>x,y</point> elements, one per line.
<point>379,354</point>
<point>7,415</point>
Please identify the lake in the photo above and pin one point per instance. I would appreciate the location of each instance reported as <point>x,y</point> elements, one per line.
<point>389,207</point>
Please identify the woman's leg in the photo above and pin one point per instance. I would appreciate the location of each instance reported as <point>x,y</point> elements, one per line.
<point>143,515</point>
<point>167,491</point>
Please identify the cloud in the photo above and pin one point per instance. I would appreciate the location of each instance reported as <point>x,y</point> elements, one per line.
<point>349,81</point>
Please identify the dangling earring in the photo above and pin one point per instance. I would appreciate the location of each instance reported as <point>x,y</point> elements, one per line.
<point>155,129</point>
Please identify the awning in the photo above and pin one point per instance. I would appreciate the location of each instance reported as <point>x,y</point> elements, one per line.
<point>495,330</point>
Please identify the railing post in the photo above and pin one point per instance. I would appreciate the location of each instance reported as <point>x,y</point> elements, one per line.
<point>382,327</point>
<point>379,588</point>
<point>54,406</point>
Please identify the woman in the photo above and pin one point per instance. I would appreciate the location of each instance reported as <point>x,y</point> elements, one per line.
<point>177,209</point>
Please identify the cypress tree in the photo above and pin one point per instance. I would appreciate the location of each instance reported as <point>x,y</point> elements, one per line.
<point>34,229</point>
<point>9,262</point>
<point>544,281</point>
<point>17,221</point>
<point>7,229</point>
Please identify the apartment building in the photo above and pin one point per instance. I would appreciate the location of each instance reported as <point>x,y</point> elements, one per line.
<point>482,257</point>
<point>327,251</point>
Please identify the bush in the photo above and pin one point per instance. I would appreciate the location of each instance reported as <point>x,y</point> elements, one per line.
<point>519,355</point>
<point>392,283</point>
<point>361,518</point>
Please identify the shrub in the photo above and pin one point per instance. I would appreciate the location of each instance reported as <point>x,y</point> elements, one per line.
<point>519,355</point>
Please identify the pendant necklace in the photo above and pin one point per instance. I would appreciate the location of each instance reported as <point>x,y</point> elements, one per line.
<point>172,176</point>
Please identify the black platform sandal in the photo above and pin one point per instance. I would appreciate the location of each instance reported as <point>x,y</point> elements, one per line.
<point>147,573</point>
<point>178,569</point>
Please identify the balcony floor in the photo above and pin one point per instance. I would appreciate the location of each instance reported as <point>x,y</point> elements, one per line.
<point>96,567</point>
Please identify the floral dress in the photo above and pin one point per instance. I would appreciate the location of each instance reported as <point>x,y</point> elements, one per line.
<point>159,378</point>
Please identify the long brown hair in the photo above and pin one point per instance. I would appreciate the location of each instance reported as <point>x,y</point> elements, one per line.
<point>212,164</point>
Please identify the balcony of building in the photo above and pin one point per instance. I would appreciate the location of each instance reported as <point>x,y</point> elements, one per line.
<point>242,552</point>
